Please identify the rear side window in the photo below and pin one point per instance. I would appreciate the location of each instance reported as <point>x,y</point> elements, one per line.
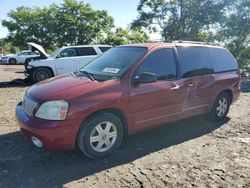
<point>85,51</point>
<point>223,60</point>
<point>161,63</point>
<point>195,61</point>
<point>104,48</point>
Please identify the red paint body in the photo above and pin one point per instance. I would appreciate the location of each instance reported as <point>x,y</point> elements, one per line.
<point>143,106</point>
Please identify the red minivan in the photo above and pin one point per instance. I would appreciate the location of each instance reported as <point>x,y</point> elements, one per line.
<point>126,90</point>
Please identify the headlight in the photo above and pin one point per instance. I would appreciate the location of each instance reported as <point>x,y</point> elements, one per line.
<point>53,110</point>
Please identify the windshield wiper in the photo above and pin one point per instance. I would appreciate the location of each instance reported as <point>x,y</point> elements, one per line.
<point>89,75</point>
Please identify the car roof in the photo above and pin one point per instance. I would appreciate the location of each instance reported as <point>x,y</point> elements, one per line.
<point>172,44</point>
<point>25,51</point>
<point>94,45</point>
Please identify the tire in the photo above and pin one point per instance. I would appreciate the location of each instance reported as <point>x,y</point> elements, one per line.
<point>40,74</point>
<point>96,129</point>
<point>220,107</point>
<point>12,61</point>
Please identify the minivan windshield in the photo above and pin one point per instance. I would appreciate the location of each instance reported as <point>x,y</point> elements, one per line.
<point>114,62</point>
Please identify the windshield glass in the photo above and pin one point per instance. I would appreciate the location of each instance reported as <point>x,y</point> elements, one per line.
<point>114,62</point>
<point>54,54</point>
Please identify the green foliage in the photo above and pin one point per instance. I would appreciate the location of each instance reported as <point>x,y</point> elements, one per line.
<point>180,19</point>
<point>236,28</point>
<point>7,47</point>
<point>122,36</point>
<point>71,22</point>
<point>244,61</point>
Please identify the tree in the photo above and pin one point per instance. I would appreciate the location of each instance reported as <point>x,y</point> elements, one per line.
<point>122,36</point>
<point>180,19</point>
<point>7,47</point>
<point>235,30</point>
<point>71,22</point>
<point>80,24</point>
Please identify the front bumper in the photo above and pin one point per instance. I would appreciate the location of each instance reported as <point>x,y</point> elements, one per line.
<point>55,135</point>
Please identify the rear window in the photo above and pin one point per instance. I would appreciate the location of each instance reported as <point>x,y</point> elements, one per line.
<point>85,51</point>
<point>195,61</point>
<point>104,48</point>
<point>223,60</point>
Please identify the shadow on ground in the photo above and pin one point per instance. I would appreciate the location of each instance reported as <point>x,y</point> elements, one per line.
<point>15,83</point>
<point>22,165</point>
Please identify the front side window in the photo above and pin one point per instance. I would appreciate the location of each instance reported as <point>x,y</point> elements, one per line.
<point>161,63</point>
<point>195,61</point>
<point>68,52</point>
<point>85,51</point>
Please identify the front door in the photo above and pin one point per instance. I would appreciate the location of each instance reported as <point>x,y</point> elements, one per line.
<point>68,61</point>
<point>160,101</point>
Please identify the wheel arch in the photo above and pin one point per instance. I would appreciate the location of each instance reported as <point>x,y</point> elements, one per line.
<point>49,68</point>
<point>229,92</point>
<point>12,58</point>
<point>119,113</point>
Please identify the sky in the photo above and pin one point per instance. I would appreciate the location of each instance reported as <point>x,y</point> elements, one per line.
<point>123,11</point>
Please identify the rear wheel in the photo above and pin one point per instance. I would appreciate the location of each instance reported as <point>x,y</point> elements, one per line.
<point>40,74</point>
<point>100,135</point>
<point>221,107</point>
<point>12,61</point>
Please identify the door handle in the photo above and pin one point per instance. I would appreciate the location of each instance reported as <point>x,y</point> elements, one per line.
<point>174,86</point>
<point>190,84</point>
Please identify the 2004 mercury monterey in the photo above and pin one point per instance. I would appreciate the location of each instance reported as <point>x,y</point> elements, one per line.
<point>126,90</point>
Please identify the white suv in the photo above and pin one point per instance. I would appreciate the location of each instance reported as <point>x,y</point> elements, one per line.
<point>20,57</point>
<point>63,60</point>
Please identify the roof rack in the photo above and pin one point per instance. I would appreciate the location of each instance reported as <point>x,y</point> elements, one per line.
<point>184,42</point>
<point>196,42</point>
<point>190,42</point>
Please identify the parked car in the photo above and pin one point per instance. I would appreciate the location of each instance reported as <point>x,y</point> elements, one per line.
<point>63,60</point>
<point>126,90</point>
<point>20,57</point>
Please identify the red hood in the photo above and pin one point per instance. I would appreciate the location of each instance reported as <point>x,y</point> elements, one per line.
<point>62,87</point>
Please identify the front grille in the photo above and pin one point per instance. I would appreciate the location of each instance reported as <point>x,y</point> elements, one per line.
<point>29,105</point>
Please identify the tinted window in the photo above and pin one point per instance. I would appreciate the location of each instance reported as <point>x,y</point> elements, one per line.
<point>195,61</point>
<point>161,63</point>
<point>68,52</point>
<point>84,51</point>
<point>104,48</point>
<point>223,60</point>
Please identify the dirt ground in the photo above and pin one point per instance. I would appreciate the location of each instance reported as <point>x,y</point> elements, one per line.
<point>191,153</point>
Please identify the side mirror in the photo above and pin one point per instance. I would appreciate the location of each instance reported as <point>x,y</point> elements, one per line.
<point>145,77</point>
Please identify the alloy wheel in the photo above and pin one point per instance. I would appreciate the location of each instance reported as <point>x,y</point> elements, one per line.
<point>222,107</point>
<point>103,136</point>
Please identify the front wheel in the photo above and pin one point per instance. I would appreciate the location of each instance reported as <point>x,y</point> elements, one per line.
<point>221,107</point>
<point>100,135</point>
<point>40,74</point>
